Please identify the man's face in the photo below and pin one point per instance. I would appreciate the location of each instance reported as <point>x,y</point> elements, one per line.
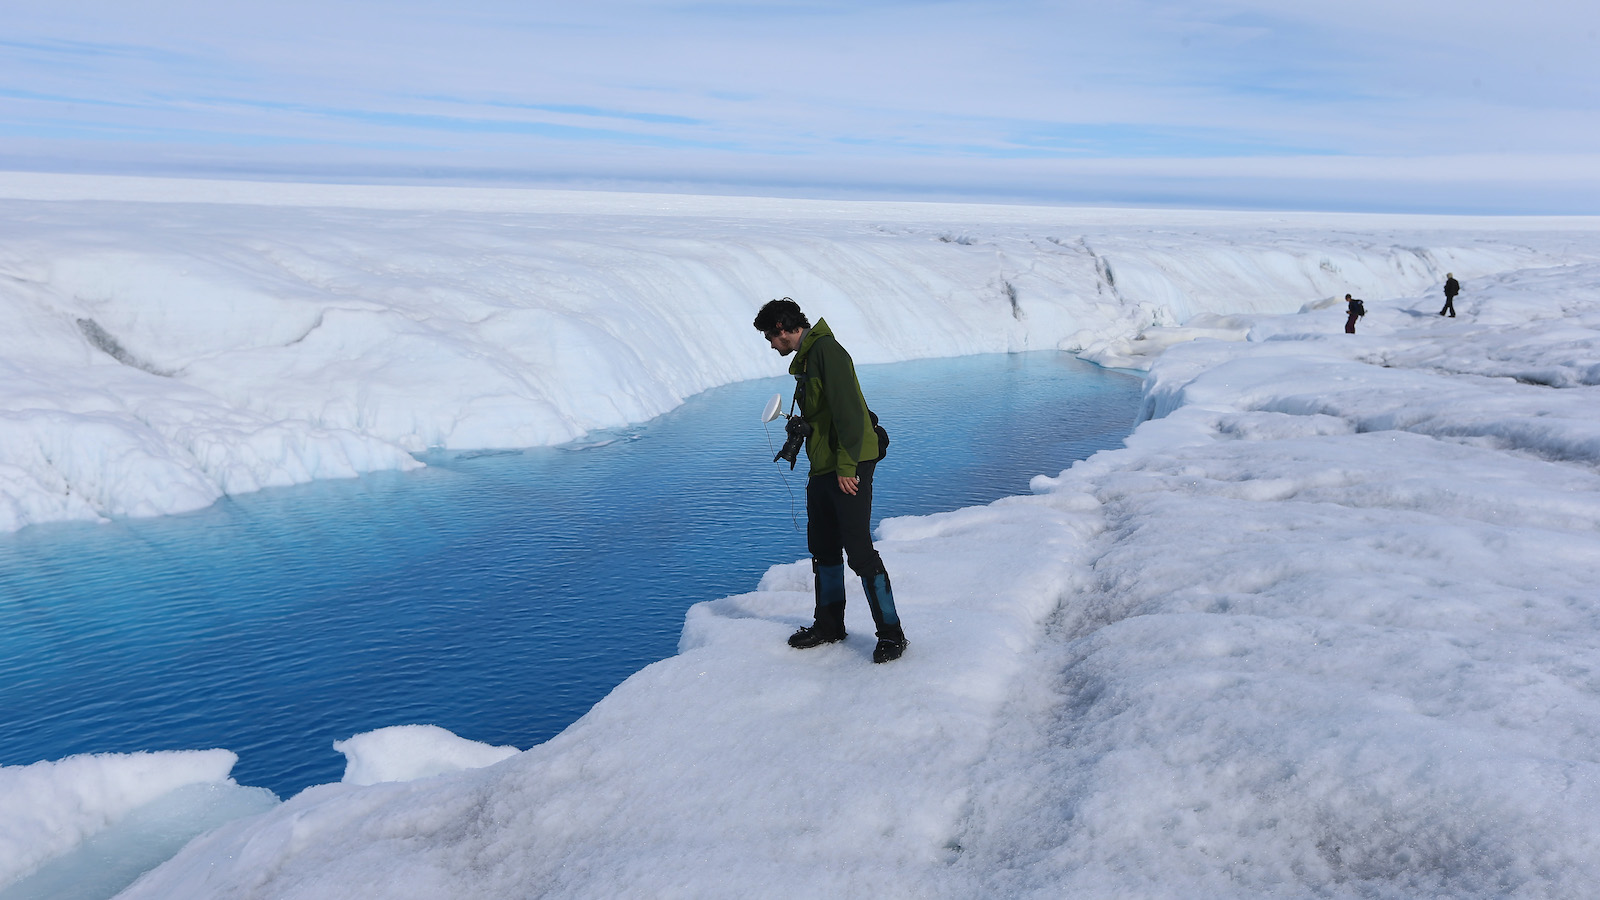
<point>785,342</point>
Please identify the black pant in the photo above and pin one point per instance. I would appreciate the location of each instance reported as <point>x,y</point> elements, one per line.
<point>838,523</point>
<point>1449,306</point>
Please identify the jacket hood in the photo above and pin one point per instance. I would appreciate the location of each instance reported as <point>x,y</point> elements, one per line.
<point>817,331</point>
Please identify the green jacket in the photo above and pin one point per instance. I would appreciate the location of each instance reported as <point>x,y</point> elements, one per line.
<point>831,401</point>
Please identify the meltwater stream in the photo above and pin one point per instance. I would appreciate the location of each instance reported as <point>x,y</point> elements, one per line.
<point>498,595</point>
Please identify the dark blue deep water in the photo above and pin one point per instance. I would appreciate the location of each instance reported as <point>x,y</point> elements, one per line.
<point>498,595</point>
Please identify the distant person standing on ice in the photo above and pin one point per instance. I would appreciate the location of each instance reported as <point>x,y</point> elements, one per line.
<point>1452,287</point>
<point>1357,309</point>
<point>843,445</point>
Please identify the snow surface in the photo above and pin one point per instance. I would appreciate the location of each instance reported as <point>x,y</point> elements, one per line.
<point>409,752</point>
<point>52,808</point>
<point>1325,627</point>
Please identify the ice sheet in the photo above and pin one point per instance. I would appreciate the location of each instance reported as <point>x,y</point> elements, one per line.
<point>1325,627</point>
<point>172,342</point>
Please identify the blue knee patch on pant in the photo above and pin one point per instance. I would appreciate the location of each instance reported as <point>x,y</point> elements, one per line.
<point>881,595</point>
<point>830,583</point>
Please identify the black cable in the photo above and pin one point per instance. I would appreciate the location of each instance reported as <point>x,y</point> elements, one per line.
<point>794,515</point>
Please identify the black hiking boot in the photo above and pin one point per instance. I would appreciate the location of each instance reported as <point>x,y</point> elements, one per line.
<point>814,636</point>
<point>889,650</point>
<point>827,624</point>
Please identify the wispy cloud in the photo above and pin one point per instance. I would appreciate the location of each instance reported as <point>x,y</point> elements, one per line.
<point>970,97</point>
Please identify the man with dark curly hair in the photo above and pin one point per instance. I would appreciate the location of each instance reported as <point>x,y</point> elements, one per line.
<point>843,448</point>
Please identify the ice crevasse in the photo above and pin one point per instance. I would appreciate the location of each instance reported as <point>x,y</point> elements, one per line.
<point>170,344</point>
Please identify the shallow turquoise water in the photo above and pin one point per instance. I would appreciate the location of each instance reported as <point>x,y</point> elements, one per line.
<point>498,595</point>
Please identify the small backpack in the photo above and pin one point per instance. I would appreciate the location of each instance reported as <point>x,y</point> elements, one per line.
<point>1359,308</point>
<point>883,436</point>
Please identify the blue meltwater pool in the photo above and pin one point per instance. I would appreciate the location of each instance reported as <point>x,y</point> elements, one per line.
<point>498,595</point>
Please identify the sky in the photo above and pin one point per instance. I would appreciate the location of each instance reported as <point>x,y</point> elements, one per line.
<point>1362,105</point>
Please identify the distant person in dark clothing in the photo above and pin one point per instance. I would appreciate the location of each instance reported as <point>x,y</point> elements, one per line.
<point>1452,287</point>
<point>1357,309</point>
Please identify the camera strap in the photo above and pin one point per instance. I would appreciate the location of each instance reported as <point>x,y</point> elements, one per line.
<point>800,386</point>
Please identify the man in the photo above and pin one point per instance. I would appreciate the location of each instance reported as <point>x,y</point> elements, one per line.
<point>1356,310</point>
<point>843,448</point>
<point>1452,287</point>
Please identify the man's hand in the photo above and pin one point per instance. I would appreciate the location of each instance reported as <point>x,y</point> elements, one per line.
<point>849,485</point>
